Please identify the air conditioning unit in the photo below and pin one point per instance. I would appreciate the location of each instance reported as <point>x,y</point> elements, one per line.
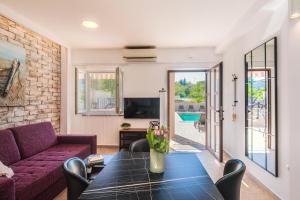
<point>139,54</point>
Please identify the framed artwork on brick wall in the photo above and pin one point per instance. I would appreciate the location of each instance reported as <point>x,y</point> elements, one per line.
<point>12,74</point>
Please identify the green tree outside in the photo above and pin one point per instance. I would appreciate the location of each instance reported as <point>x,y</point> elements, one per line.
<point>256,93</point>
<point>198,92</point>
<point>194,93</point>
<point>106,85</point>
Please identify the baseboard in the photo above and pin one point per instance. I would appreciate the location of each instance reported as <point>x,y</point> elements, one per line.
<point>263,186</point>
<point>229,154</point>
<point>258,181</point>
<point>108,146</point>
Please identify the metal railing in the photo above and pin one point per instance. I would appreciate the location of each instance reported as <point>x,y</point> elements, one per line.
<point>104,103</point>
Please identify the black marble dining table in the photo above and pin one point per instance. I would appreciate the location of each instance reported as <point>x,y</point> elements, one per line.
<point>127,177</point>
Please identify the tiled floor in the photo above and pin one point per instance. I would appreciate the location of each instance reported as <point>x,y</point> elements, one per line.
<point>251,189</point>
<point>187,137</point>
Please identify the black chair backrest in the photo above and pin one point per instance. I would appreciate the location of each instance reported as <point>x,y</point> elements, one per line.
<point>140,145</point>
<point>230,184</point>
<point>76,176</point>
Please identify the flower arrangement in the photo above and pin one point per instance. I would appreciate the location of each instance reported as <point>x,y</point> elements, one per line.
<point>157,139</point>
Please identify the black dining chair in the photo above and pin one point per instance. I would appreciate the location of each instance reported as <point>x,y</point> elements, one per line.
<point>140,145</point>
<point>76,176</point>
<point>229,185</point>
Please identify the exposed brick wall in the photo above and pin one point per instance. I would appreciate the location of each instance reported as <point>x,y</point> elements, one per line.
<point>43,61</point>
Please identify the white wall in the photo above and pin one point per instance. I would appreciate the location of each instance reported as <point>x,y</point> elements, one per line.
<point>65,90</point>
<point>275,23</point>
<point>293,95</point>
<point>140,80</point>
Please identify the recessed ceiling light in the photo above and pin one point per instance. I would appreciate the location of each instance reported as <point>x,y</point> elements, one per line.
<point>89,24</point>
<point>294,9</point>
<point>295,15</point>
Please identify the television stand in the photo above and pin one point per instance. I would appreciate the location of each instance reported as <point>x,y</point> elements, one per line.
<point>127,136</point>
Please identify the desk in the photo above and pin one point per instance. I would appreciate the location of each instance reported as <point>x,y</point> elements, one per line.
<point>126,177</point>
<point>127,136</point>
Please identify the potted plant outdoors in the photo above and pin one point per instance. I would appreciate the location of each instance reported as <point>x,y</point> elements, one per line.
<point>159,146</point>
<point>125,126</point>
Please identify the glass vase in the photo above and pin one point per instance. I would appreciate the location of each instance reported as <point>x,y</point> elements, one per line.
<point>157,161</point>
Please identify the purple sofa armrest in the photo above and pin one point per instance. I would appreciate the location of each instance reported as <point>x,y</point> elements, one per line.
<point>79,139</point>
<point>7,188</point>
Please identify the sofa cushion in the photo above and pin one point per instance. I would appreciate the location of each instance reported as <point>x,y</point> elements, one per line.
<point>34,138</point>
<point>7,188</point>
<point>32,178</point>
<point>9,152</point>
<point>62,152</point>
<point>35,174</point>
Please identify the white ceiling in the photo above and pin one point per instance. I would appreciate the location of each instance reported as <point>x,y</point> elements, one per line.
<point>164,23</point>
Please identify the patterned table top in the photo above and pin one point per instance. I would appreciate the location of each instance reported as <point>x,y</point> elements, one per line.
<point>127,177</point>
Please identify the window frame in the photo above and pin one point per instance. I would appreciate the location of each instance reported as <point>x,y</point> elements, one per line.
<point>271,117</point>
<point>118,111</point>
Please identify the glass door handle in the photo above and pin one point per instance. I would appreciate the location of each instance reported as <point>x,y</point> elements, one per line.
<point>220,114</point>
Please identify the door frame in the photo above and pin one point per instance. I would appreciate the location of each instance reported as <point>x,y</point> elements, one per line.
<point>221,110</point>
<point>168,93</point>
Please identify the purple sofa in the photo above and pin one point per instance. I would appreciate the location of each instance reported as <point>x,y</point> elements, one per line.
<point>36,156</point>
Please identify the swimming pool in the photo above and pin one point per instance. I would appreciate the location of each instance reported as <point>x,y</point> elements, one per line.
<point>190,116</point>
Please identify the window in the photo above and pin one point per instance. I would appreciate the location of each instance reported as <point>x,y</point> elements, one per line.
<point>99,92</point>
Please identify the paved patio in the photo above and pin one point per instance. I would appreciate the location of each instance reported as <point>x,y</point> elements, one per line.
<point>187,137</point>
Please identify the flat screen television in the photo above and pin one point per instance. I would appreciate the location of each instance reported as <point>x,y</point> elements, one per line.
<point>142,108</point>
